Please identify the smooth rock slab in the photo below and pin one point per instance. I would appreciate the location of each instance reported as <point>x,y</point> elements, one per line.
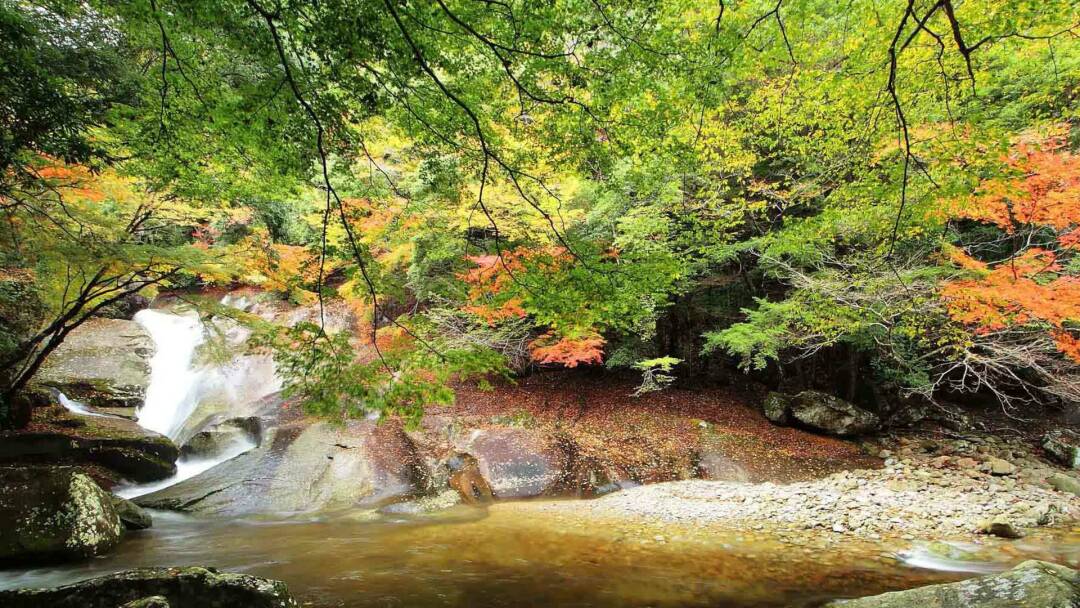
<point>1032,584</point>
<point>193,587</point>
<point>54,514</point>
<point>102,363</point>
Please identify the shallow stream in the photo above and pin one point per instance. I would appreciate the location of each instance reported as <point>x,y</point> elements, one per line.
<point>498,557</point>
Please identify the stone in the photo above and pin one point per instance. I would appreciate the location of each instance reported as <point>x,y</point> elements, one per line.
<point>1032,584</point>
<point>1001,527</point>
<point>467,480</point>
<point>776,407</point>
<point>117,444</point>
<point>1000,467</point>
<point>1063,445</point>
<point>516,462</point>
<point>305,466</point>
<point>101,363</point>
<point>154,601</point>
<point>830,414</point>
<point>158,587</point>
<point>52,514</point>
<point>1065,483</point>
<point>223,437</point>
<point>131,515</point>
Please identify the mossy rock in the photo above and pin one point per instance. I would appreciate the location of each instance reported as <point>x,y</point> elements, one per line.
<point>117,444</point>
<point>146,587</point>
<point>54,514</point>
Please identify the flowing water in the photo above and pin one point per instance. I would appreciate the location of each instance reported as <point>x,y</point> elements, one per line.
<point>469,557</point>
<point>509,554</point>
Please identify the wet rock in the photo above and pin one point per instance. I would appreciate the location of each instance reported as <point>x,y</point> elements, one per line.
<point>102,363</point>
<point>467,480</point>
<point>517,463</point>
<point>776,407</point>
<point>1002,528</point>
<point>223,437</point>
<point>302,467</point>
<point>1032,584</point>
<point>117,444</point>
<point>1064,446</point>
<point>131,515</point>
<point>1065,483</point>
<point>145,587</point>
<point>54,514</point>
<point>830,414</point>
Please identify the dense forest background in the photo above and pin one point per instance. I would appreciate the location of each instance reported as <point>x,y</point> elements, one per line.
<point>876,198</point>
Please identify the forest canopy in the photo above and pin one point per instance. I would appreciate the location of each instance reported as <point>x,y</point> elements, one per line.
<point>881,199</point>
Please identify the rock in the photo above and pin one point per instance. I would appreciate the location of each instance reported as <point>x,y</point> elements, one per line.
<point>827,413</point>
<point>1064,446</point>
<point>516,462</point>
<point>102,363</point>
<point>54,514</point>
<point>146,587</point>
<point>302,467</point>
<point>467,480</point>
<point>999,467</point>
<point>1001,527</point>
<point>776,407</point>
<point>223,437</point>
<point>1065,483</point>
<point>117,444</point>
<point>154,601</point>
<point>131,515</point>
<point>1032,584</point>
<point>124,308</point>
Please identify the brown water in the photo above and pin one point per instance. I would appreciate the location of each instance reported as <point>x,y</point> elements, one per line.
<point>489,558</point>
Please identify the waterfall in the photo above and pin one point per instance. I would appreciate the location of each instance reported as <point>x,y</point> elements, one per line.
<point>179,387</point>
<point>174,385</point>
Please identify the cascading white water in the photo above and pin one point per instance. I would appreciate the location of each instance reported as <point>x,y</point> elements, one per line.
<point>174,385</point>
<point>178,386</point>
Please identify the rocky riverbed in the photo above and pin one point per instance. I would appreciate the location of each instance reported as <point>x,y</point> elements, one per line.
<point>929,488</point>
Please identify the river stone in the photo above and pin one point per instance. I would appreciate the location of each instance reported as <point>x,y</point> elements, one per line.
<point>54,514</point>
<point>303,467</point>
<point>131,515</point>
<point>1032,584</point>
<point>117,444</point>
<point>1064,446</point>
<point>101,363</point>
<point>830,414</point>
<point>176,587</point>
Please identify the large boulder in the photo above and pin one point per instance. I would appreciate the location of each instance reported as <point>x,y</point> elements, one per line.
<point>54,514</point>
<point>516,462</point>
<point>1064,446</point>
<point>306,466</point>
<point>118,448</point>
<point>1032,584</point>
<point>822,412</point>
<point>102,363</point>
<point>158,587</point>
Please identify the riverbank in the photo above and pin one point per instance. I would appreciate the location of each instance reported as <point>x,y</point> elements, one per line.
<point>930,488</point>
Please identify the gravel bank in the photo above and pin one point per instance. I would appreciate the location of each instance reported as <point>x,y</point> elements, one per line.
<point>927,489</point>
